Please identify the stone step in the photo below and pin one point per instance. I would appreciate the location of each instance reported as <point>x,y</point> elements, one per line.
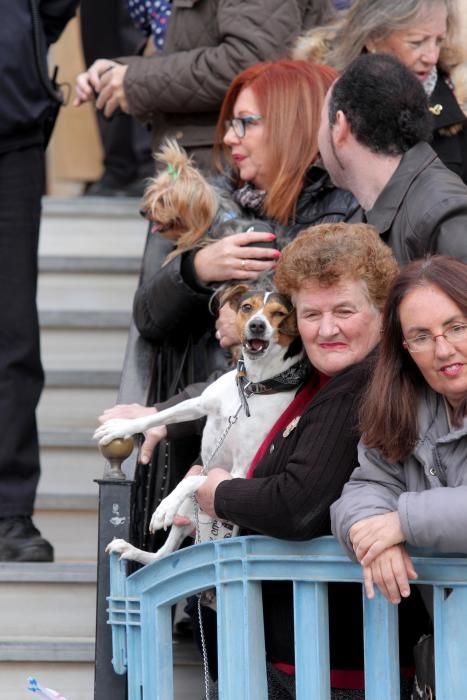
<point>73,407</point>
<point>71,531</point>
<point>85,263</point>
<point>75,680</point>
<point>39,591</point>
<point>73,291</point>
<point>72,671</point>
<point>78,320</point>
<point>43,648</point>
<point>82,378</point>
<point>83,348</point>
<point>91,227</point>
<point>70,463</point>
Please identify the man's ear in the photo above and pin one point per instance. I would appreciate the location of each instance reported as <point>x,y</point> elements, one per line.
<point>341,128</point>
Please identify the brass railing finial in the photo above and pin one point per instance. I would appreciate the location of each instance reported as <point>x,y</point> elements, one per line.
<point>115,453</point>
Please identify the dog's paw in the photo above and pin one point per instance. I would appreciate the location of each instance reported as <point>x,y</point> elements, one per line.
<point>122,547</point>
<point>116,428</point>
<point>163,516</point>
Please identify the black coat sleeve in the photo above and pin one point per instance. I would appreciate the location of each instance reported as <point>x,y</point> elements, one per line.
<point>167,306</point>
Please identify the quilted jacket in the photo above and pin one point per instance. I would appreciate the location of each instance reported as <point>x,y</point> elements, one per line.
<point>208,42</point>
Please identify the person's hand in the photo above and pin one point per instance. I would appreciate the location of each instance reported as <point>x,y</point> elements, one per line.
<point>226,328</point>
<point>371,536</point>
<point>88,84</point>
<point>104,78</point>
<point>232,259</point>
<point>391,572</point>
<point>206,492</point>
<point>152,437</point>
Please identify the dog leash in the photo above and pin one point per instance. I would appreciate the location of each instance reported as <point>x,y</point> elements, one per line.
<point>230,423</point>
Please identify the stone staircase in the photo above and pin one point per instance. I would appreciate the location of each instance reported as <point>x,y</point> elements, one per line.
<point>90,254</point>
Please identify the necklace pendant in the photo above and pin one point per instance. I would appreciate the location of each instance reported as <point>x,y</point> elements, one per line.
<point>291,426</point>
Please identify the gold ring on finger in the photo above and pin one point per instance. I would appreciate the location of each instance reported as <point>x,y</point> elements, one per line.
<point>243,263</point>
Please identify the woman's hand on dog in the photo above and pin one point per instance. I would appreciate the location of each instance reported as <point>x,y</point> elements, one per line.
<point>226,327</point>
<point>232,258</point>
<point>206,493</point>
<point>152,437</point>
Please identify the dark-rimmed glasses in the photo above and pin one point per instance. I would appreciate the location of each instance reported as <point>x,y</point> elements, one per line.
<point>457,333</point>
<point>239,124</point>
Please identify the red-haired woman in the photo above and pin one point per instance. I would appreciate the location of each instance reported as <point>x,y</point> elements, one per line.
<point>267,132</point>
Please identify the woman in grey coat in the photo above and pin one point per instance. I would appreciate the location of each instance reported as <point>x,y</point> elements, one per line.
<point>411,485</point>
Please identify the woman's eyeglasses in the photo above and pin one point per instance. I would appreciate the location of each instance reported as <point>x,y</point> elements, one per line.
<point>239,124</point>
<point>426,341</point>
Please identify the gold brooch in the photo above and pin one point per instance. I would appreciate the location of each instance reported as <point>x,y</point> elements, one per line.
<point>291,426</point>
<point>436,109</point>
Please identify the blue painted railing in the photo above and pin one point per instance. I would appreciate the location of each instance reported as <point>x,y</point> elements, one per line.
<point>140,615</point>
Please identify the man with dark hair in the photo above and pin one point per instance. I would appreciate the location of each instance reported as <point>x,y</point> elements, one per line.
<point>373,140</point>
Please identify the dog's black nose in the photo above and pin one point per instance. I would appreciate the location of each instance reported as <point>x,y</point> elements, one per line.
<point>257,325</point>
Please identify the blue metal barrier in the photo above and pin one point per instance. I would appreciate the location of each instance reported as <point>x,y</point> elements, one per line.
<point>140,615</point>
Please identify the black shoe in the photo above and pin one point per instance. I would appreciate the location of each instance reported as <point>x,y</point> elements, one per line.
<point>20,540</point>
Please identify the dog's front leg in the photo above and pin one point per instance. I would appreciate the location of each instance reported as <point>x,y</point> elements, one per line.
<point>171,505</point>
<point>191,409</point>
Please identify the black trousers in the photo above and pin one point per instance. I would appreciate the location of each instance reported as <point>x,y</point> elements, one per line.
<point>107,31</point>
<point>21,375</point>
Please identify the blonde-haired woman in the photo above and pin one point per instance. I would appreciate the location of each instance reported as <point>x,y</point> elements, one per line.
<point>421,34</point>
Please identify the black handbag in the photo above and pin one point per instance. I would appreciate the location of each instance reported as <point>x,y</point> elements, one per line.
<point>424,657</point>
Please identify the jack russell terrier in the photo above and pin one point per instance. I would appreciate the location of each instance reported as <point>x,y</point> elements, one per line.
<point>241,407</point>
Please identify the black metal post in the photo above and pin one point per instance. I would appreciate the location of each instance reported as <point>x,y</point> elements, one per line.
<point>115,499</point>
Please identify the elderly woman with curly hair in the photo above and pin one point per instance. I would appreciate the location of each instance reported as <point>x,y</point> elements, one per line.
<point>338,276</point>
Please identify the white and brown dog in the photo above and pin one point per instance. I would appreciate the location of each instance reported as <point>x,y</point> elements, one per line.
<point>272,368</point>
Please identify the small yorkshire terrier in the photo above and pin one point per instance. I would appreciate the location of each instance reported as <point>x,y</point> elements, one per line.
<point>183,206</point>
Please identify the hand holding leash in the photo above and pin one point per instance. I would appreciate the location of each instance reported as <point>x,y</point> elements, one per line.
<point>236,257</point>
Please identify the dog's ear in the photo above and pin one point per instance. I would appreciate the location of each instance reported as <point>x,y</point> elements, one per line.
<point>288,325</point>
<point>233,294</point>
<point>295,347</point>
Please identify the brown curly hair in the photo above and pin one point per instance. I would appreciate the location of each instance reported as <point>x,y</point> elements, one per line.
<point>329,252</point>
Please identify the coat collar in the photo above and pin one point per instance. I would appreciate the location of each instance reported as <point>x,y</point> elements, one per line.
<point>444,107</point>
<point>433,423</point>
<point>384,211</point>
